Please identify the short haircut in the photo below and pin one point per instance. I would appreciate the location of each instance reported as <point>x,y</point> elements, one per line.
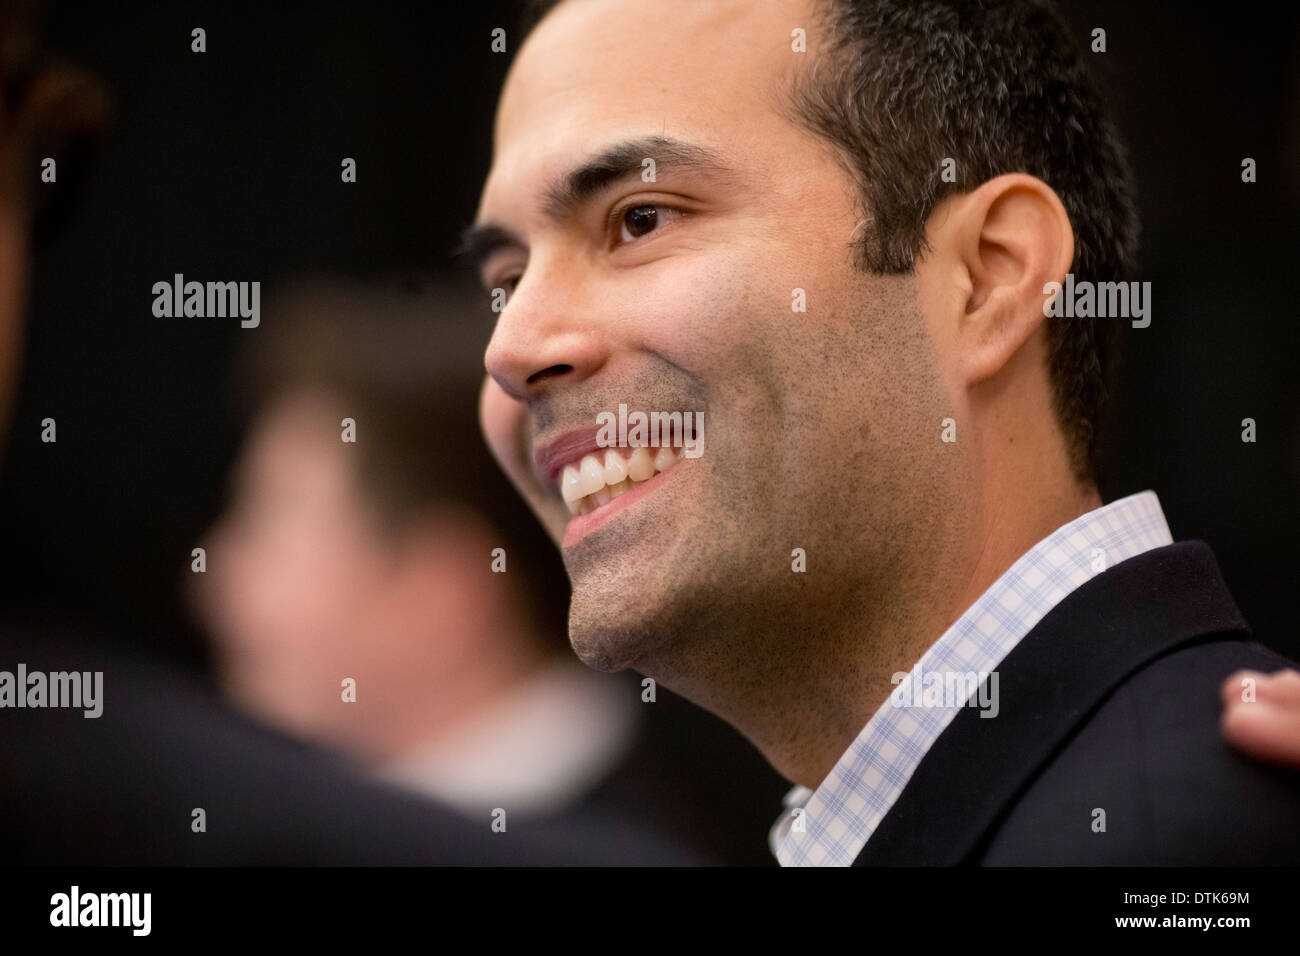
<point>998,86</point>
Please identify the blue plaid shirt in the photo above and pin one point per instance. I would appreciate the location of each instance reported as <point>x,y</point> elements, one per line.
<point>830,827</point>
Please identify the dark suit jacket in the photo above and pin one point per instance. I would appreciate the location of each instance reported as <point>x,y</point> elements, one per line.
<point>120,789</point>
<point>1111,703</point>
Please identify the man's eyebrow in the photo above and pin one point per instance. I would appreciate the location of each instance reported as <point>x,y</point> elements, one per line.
<point>622,160</point>
<point>479,243</point>
<point>571,190</point>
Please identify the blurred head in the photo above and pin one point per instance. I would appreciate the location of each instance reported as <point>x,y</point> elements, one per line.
<point>799,270</point>
<point>368,559</point>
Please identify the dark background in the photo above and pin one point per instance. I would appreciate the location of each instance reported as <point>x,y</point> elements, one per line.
<point>225,166</point>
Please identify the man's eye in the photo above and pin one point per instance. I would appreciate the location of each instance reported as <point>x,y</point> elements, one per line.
<point>640,220</point>
<point>505,285</point>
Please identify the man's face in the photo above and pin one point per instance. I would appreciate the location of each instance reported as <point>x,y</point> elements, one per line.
<point>679,295</point>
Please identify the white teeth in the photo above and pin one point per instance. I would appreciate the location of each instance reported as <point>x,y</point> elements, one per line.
<point>592,475</point>
<point>569,486</point>
<point>615,467</point>
<point>640,466</point>
<point>590,484</point>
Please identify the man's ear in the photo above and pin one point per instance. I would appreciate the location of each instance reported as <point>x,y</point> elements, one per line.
<point>1007,239</point>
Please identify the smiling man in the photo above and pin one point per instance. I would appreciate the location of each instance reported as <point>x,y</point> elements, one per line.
<point>829,225</point>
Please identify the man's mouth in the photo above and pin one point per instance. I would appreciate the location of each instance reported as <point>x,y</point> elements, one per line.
<point>598,478</point>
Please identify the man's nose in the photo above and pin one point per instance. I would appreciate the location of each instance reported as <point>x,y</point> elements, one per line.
<point>546,337</point>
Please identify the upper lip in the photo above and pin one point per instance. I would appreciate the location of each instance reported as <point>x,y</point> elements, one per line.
<point>568,448</point>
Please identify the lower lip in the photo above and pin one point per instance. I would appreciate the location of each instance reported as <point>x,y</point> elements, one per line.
<point>582,525</point>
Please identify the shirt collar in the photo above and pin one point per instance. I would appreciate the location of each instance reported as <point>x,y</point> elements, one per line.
<point>830,826</point>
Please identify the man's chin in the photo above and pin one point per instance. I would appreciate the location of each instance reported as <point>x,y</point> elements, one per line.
<point>630,621</point>
<point>606,640</point>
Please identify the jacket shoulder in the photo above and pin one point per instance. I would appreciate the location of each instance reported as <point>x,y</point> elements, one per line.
<point>1148,779</point>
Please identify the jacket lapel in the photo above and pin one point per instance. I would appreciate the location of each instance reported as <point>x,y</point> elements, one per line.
<point>1103,632</point>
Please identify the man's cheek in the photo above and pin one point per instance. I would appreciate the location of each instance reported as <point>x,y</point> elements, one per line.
<point>723,293</point>
<point>504,422</point>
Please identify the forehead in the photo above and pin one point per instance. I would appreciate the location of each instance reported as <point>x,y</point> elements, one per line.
<point>717,72</point>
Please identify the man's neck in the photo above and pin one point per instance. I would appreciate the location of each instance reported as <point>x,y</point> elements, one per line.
<point>803,704</point>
